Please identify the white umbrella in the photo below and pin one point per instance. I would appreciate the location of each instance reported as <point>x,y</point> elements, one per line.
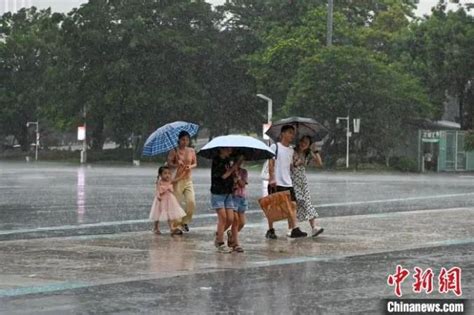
<point>252,149</point>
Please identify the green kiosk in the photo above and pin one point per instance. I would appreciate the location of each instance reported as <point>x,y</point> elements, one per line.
<point>443,151</point>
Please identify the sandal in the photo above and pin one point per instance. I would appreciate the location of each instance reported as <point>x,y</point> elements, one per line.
<point>238,249</point>
<point>177,232</point>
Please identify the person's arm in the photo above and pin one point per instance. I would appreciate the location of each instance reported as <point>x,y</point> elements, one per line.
<point>172,160</point>
<point>193,160</point>
<point>271,171</point>
<point>177,179</point>
<point>242,181</point>
<point>162,192</point>
<point>297,161</point>
<point>234,167</point>
<point>317,158</point>
<point>158,190</point>
<point>271,167</point>
<point>230,171</point>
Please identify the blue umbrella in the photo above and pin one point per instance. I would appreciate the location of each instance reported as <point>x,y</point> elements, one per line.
<point>165,138</point>
<point>252,149</point>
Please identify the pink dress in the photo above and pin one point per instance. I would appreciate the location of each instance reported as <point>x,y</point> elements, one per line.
<point>168,207</point>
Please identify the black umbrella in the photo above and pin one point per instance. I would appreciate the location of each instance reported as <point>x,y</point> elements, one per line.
<point>304,127</point>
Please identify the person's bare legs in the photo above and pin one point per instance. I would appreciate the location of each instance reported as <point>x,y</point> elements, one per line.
<point>235,230</point>
<point>221,224</point>
<point>292,216</point>
<point>229,218</point>
<point>156,227</point>
<point>242,220</point>
<point>270,224</point>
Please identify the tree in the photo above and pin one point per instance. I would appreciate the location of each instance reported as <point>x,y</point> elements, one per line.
<point>347,80</point>
<point>439,49</point>
<point>28,41</point>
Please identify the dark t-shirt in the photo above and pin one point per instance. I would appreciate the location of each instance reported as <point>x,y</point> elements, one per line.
<point>220,186</point>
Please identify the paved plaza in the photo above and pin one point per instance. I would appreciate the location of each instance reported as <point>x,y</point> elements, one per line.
<point>75,240</point>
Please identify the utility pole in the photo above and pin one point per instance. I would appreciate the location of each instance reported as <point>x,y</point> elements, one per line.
<point>84,143</point>
<point>37,136</point>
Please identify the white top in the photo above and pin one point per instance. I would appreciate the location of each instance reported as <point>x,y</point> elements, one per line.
<point>283,163</point>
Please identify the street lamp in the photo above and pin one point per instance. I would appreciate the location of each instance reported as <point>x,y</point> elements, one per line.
<point>270,106</point>
<point>349,133</point>
<point>37,136</point>
<point>265,171</point>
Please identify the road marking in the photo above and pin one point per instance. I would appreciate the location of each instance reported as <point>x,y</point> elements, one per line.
<point>43,289</point>
<point>213,215</point>
<point>393,200</point>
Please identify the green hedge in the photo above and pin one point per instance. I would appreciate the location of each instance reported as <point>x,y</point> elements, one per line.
<point>403,164</point>
<point>115,155</point>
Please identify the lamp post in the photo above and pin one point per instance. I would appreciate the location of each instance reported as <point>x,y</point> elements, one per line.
<point>349,133</point>
<point>37,136</point>
<point>265,174</point>
<point>84,142</point>
<point>270,106</point>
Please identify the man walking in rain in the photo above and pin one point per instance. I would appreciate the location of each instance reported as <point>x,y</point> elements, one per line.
<point>280,178</point>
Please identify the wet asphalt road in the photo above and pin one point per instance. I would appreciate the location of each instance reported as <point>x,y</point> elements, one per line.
<point>353,285</point>
<point>371,221</point>
<point>54,195</point>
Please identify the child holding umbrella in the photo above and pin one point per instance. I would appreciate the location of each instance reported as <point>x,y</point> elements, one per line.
<point>222,200</point>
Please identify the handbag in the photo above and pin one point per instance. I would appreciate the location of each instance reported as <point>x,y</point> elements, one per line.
<point>276,206</point>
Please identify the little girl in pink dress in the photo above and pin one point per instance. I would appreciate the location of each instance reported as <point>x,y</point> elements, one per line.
<point>165,205</point>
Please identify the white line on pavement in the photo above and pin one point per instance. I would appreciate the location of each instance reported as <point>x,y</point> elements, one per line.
<point>211,215</point>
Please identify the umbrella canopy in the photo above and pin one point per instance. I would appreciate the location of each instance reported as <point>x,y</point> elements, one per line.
<point>303,126</point>
<point>252,149</point>
<point>165,138</point>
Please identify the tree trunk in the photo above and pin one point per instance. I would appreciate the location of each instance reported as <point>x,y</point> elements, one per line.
<point>388,155</point>
<point>22,138</point>
<point>137,145</point>
<point>97,136</point>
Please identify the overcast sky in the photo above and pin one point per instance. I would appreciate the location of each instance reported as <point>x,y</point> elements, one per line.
<point>424,6</point>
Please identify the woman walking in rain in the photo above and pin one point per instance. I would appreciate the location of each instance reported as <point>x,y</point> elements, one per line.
<point>305,209</point>
<point>222,199</point>
<point>183,159</point>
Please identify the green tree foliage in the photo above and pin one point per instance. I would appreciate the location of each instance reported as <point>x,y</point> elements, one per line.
<point>27,42</point>
<point>132,66</point>
<point>439,49</point>
<point>341,81</point>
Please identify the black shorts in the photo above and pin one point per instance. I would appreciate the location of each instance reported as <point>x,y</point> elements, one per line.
<point>283,188</point>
